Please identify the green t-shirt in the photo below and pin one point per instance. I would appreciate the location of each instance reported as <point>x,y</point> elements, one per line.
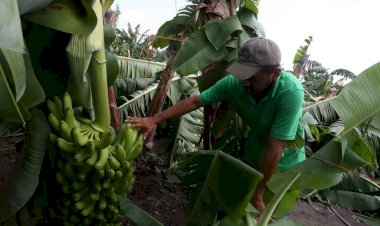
<point>276,115</point>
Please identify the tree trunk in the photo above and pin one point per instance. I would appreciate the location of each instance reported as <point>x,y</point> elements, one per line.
<point>301,65</point>
<point>115,114</point>
<point>160,94</point>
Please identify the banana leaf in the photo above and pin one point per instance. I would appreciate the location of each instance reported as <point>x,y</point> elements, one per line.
<point>14,68</point>
<point>358,182</point>
<point>218,31</point>
<point>26,6</point>
<point>374,220</point>
<point>302,50</point>
<point>280,190</point>
<point>181,22</point>
<point>219,191</point>
<point>33,95</point>
<point>11,37</point>
<point>24,178</point>
<point>190,129</point>
<point>322,111</point>
<point>138,99</point>
<point>252,6</point>
<point>74,17</point>
<point>359,100</point>
<point>249,20</point>
<point>197,53</point>
<point>136,215</point>
<point>353,200</point>
<point>135,68</point>
<point>10,110</point>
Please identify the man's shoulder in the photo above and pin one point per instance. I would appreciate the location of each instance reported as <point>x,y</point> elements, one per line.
<point>290,81</point>
<point>230,81</point>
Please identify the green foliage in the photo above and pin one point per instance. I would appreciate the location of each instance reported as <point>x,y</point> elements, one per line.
<point>25,175</point>
<point>74,17</point>
<point>196,54</point>
<point>218,190</point>
<point>302,50</point>
<point>132,43</point>
<point>136,215</point>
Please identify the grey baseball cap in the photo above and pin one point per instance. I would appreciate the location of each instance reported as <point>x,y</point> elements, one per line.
<point>255,53</point>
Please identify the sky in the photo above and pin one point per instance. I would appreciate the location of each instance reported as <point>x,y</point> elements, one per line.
<point>345,32</point>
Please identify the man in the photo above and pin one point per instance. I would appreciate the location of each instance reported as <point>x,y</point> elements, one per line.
<point>269,101</point>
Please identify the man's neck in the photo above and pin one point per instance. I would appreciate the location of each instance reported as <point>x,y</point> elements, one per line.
<point>259,95</point>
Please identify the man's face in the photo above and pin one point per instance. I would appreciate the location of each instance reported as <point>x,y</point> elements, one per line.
<point>260,81</point>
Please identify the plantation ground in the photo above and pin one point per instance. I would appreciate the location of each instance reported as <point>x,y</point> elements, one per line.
<point>168,202</point>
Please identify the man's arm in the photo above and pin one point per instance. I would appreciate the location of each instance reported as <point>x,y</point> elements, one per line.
<point>268,167</point>
<point>147,124</point>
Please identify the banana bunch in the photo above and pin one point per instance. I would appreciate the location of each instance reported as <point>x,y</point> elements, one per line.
<point>92,167</point>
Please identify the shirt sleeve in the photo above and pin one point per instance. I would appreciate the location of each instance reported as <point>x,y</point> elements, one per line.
<point>216,93</point>
<point>288,115</point>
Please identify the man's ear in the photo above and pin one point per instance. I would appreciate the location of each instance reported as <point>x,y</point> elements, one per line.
<point>276,73</point>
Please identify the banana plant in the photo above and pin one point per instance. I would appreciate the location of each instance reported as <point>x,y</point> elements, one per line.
<point>301,57</point>
<point>213,34</point>
<point>66,44</point>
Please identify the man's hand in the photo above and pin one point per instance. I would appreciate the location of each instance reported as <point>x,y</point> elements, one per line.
<point>258,203</point>
<point>257,198</point>
<point>146,125</point>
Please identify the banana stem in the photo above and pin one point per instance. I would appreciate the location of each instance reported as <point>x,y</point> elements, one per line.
<point>98,77</point>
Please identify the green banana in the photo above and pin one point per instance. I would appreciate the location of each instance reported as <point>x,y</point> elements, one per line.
<point>64,130</point>
<point>119,152</point>
<point>118,174</point>
<point>68,169</point>
<point>101,173</point>
<point>66,101</point>
<point>53,121</point>
<point>126,165</point>
<point>54,110</point>
<point>77,137</point>
<point>130,138</point>
<point>66,189</point>
<point>82,174</point>
<point>84,202</point>
<point>113,162</point>
<point>66,146</point>
<point>97,186</point>
<point>93,154</point>
<point>111,173</point>
<point>53,137</point>
<point>80,194</point>
<point>69,117</point>
<point>83,120</point>
<point>95,196</point>
<point>102,203</point>
<point>81,156</point>
<point>113,196</point>
<point>77,186</point>
<point>74,219</point>
<point>58,103</point>
<point>61,179</point>
<point>106,183</point>
<point>102,161</point>
<point>120,138</point>
<point>136,149</point>
<point>106,139</point>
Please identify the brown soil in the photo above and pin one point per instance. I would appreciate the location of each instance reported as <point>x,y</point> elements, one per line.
<point>168,202</point>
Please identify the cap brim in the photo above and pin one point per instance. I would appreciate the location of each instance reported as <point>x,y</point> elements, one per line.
<point>242,71</point>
